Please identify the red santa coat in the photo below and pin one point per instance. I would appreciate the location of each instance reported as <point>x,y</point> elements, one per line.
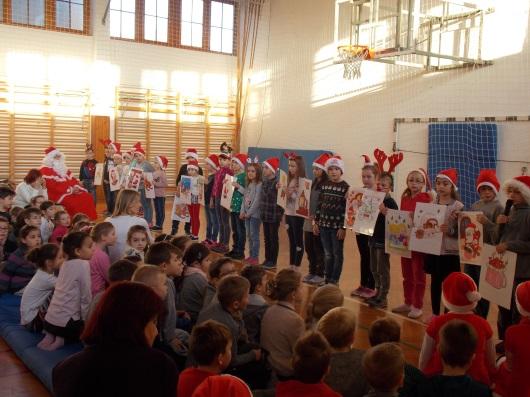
<point>61,190</point>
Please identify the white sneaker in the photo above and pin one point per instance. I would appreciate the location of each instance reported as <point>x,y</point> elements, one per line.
<point>415,313</point>
<point>317,280</point>
<point>404,308</point>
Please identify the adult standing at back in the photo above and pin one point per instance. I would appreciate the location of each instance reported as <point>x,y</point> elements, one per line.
<point>125,215</point>
<point>32,186</point>
<point>118,359</point>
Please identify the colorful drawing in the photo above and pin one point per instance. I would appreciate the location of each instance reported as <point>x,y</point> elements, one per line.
<point>114,178</point>
<point>426,235</point>
<point>282,191</point>
<point>367,212</point>
<point>185,188</point>
<point>227,192</point>
<point>134,178</point>
<point>470,238</point>
<point>354,200</point>
<point>98,176</point>
<point>397,232</point>
<point>149,185</point>
<point>180,210</point>
<point>497,276</point>
<point>304,195</point>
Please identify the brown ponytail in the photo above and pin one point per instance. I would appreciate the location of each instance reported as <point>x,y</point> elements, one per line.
<point>286,282</point>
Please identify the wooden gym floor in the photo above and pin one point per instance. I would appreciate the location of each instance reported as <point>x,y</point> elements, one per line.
<point>17,381</point>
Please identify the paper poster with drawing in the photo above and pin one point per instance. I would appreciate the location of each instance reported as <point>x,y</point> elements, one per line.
<point>397,232</point>
<point>185,185</point>
<point>198,187</point>
<point>227,192</point>
<point>470,238</point>
<point>134,178</point>
<point>149,185</point>
<point>114,178</point>
<point>367,212</point>
<point>180,210</point>
<point>354,200</point>
<point>282,191</point>
<point>98,175</point>
<point>304,196</point>
<point>497,276</point>
<point>426,235</point>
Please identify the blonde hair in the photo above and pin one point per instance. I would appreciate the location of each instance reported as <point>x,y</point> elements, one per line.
<point>148,275</point>
<point>384,366</point>
<point>123,202</point>
<point>338,326</point>
<point>407,192</point>
<point>322,301</point>
<point>286,282</point>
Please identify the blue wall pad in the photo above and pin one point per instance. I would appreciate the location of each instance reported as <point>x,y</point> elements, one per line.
<point>468,147</point>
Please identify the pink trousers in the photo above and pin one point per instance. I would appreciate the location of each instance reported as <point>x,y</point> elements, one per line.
<point>414,279</point>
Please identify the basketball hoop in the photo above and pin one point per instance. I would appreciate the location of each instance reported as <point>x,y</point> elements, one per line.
<point>352,56</point>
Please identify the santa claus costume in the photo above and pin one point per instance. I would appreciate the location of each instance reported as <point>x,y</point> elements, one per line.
<point>63,188</point>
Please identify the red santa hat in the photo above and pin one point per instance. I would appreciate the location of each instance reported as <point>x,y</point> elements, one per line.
<point>163,161</point>
<point>522,298</point>
<point>51,152</point>
<point>459,293</point>
<point>240,159</point>
<point>222,385</point>
<point>488,178</point>
<point>367,160</point>
<point>451,174</point>
<point>128,154</point>
<point>192,152</point>
<point>273,163</point>
<point>320,161</point>
<point>114,145</point>
<point>138,148</point>
<point>521,183</point>
<point>335,161</point>
<point>213,160</point>
<point>193,164</point>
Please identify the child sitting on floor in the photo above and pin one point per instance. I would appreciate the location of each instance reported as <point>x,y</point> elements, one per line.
<point>310,364</point>
<point>383,367</point>
<point>345,374</point>
<point>104,235</point>
<point>137,240</point>
<point>257,305</point>
<point>457,347</point>
<point>37,294</point>
<point>218,269</point>
<point>211,349</point>
<point>71,299</point>
<point>48,210</point>
<point>61,219</point>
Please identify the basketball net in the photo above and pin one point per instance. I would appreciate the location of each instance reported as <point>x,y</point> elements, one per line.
<point>352,57</point>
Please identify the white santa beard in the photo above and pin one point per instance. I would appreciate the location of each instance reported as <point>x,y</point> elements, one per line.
<point>60,167</point>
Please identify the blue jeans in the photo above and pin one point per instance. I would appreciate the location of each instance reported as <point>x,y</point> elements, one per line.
<point>223,219</point>
<point>147,204</point>
<point>212,225</point>
<point>160,211</point>
<point>333,254</point>
<point>88,184</point>
<point>238,233</point>
<point>252,225</point>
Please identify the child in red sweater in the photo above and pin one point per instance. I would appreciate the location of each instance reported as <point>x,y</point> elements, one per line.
<point>460,296</point>
<point>312,355</point>
<point>211,350</point>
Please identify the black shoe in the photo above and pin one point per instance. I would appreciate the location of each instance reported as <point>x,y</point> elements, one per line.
<point>372,302</point>
<point>268,266</point>
<point>237,255</point>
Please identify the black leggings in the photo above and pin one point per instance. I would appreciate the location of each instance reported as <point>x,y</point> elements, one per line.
<point>367,278</point>
<point>270,234</point>
<point>315,253</point>
<point>440,266</point>
<point>296,239</point>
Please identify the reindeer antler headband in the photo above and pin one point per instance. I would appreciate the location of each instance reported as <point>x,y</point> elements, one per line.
<point>393,160</point>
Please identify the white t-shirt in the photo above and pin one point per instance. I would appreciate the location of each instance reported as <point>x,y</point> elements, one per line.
<point>122,224</point>
<point>35,295</point>
<point>25,192</point>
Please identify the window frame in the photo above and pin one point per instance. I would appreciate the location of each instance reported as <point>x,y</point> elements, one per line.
<point>50,18</point>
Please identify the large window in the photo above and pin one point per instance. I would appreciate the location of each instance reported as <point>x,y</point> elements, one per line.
<point>192,23</point>
<point>156,20</point>
<point>62,15</point>
<point>122,14</point>
<point>222,27</point>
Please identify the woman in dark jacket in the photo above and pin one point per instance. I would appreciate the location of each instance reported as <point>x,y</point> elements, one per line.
<point>119,359</point>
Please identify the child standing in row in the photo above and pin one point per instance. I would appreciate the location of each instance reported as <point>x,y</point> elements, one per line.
<point>250,211</point>
<point>194,208</point>
<point>212,224</point>
<point>87,171</point>
<point>71,299</point>
<point>312,242</point>
<point>329,218</point>
<point>379,259</point>
<point>223,215</point>
<point>366,288</point>
<point>414,279</point>
<point>160,183</point>
<point>271,213</point>
<point>239,162</point>
<point>189,155</point>
<point>37,294</point>
<point>441,266</point>
<point>294,223</point>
